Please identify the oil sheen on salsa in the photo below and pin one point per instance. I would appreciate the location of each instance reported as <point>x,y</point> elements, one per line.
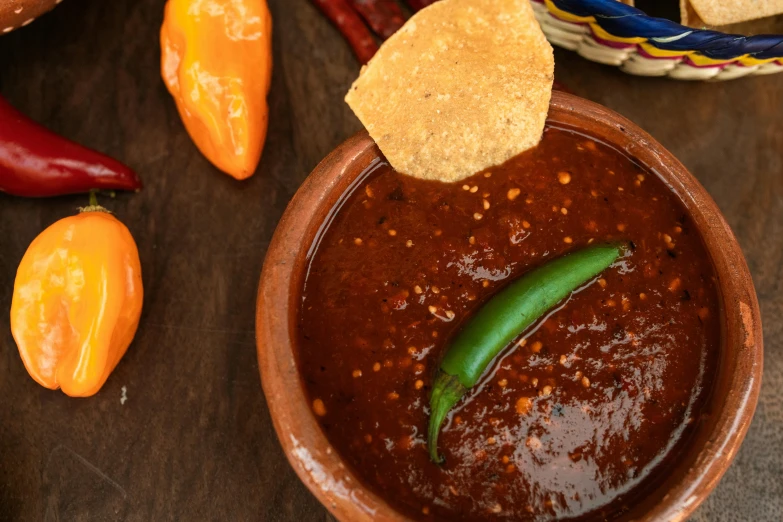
<point>586,411</point>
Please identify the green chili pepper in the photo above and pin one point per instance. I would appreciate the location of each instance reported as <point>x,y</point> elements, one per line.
<point>502,319</point>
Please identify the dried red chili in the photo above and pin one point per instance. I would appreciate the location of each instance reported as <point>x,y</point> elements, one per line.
<point>348,22</point>
<point>418,5</point>
<point>35,162</point>
<point>383,16</point>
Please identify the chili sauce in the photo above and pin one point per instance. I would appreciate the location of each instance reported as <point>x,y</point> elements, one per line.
<point>583,413</point>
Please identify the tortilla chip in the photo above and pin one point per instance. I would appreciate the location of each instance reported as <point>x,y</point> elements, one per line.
<point>463,86</point>
<point>724,12</point>
<point>689,17</point>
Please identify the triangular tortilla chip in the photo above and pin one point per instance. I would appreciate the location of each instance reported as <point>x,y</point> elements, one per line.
<point>463,86</point>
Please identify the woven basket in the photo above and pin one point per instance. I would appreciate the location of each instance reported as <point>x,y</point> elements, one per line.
<point>612,33</point>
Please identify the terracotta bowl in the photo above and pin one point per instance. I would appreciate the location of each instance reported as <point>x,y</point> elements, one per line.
<point>18,13</point>
<point>737,383</point>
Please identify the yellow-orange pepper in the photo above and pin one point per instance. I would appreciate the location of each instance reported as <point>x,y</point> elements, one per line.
<point>216,60</point>
<point>77,301</point>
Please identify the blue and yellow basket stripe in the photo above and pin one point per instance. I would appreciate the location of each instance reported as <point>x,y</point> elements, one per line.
<point>611,32</point>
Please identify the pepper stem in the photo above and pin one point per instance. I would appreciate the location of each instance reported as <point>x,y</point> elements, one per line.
<point>447,390</point>
<point>93,206</point>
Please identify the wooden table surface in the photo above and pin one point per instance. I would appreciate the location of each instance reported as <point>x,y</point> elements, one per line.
<point>194,440</point>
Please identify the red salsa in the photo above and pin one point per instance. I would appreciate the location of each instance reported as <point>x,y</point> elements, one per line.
<point>586,410</point>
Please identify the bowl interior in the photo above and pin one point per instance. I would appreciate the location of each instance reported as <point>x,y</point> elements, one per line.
<point>736,386</point>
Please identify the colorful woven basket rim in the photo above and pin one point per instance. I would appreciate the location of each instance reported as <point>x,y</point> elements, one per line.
<point>622,23</point>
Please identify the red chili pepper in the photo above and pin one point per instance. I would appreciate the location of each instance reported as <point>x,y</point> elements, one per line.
<point>383,16</point>
<point>351,26</point>
<point>418,5</point>
<point>35,162</point>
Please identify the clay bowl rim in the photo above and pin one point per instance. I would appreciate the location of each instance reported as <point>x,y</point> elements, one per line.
<point>322,470</point>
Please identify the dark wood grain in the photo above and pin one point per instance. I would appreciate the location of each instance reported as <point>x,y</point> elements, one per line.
<point>194,440</point>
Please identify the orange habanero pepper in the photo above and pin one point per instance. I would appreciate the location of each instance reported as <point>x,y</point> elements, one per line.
<point>216,61</point>
<point>77,301</point>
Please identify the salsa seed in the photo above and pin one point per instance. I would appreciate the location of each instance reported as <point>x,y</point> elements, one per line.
<point>503,383</point>
<point>486,205</point>
<point>376,367</point>
<point>474,189</point>
<point>563,360</point>
<point>357,241</point>
<point>392,232</point>
<point>536,347</point>
<point>425,510</point>
<point>487,174</point>
<point>667,238</point>
<point>546,390</point>
<point>642,296</point>
<point>450,314</point>
<point>465,187</point>
<point>393,396</point>
<point>564,211</point>
<point>585,382</point>
<point>497,508</point>
<point>432,309</point>
<point>434,334</point>
<point>522,342</point>
<point>513,193</point>
<point>412,350</point>
<point>319,408</point>
<point>594,193</point>
<point>674,285</point>
<point>621,227</point>
<point>534,382</point>
<point>677,229</point>
<point>356,374</point>
<point>368,191</point>
<point>419,384</point>
<point>564,177</point>
<point>621,189</point>
<point>368,438</point>
<point>602,282</point>
<point>435,290</point>
<point>472,240</point>
<point>491,441</point>
<point>409,243</point>
<point>555,208</point>
<point>529,200</point>
<point>505,459</point>
<point>510,468</point>
<point>524,405</point>
<point>704,312</point>
<point>640,177</point>
<point>525,224</point>
<point>477,216</point>
<point>485,283</point>
<point>417,289</point>
<point>637,183</point>
<point>437,232</point>
<point>485,195</point>
<point>533,443</point>
<point>611,303</point>
<point>568,240</point>
<point>388,363</point>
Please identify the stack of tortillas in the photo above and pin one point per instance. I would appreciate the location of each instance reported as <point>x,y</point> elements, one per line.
<point>463,86</point>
